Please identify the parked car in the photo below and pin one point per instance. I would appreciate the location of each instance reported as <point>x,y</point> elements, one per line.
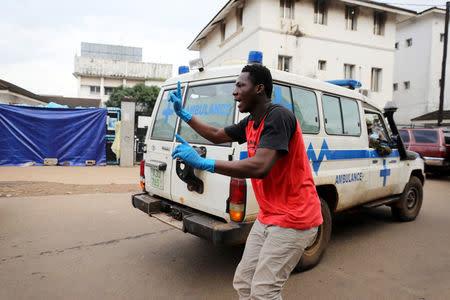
<point>431,144</point>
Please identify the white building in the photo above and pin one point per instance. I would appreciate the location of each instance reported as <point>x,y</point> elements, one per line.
<point>322,39</point>
<point>100,68</point>
<point>418,64</point>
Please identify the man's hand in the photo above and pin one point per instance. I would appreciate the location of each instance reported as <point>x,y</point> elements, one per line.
<point>175,98</point>
<point>191,157</point>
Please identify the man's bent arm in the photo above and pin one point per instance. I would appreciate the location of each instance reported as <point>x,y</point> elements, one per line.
<point>212,134</point>
<point>257,166</point>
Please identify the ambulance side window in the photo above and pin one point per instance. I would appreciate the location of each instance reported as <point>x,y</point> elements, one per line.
<point>375,127</point>
<point>341,116</point>
<point>350,114</point>
<point>212,104</point>
<point>165,119</point>
<point>305,110</point>
<point>282,95</point>
<point>332,114</point>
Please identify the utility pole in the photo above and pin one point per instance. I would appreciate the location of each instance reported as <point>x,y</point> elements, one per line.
<point>444,64</point>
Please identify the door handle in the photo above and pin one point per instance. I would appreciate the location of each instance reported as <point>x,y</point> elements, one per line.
<point>374,161</point>
<point>392,161</point>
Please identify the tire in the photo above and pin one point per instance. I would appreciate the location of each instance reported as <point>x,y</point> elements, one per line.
<point>314,252</point>
<point>408,207</point>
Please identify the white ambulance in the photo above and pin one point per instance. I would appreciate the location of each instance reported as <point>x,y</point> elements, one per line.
<point>347,172</point>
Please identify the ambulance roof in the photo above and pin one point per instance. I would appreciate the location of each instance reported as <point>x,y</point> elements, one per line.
<point>231,72</point>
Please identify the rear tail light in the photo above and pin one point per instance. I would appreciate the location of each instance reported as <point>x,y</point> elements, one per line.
<point>142,181</point>
<point>442,148</point>
<point>238,199</point>
<point>442,151</point>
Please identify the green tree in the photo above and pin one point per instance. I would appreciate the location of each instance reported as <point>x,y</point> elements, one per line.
<point>145,96</point>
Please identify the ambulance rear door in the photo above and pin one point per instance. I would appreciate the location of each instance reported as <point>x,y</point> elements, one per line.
<point>211,102</point>
<point>160,144</point>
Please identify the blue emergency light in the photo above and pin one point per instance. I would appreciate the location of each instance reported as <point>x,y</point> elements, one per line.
<point>183,69</point>
<point>352,84</point>
<point>255,57</point>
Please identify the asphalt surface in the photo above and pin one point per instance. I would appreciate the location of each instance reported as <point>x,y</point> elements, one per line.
<point>97,246</point>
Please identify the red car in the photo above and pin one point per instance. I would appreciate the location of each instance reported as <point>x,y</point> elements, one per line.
<point>431,144</point>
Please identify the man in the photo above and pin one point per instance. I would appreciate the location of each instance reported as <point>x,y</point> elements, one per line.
<point>290,209</point>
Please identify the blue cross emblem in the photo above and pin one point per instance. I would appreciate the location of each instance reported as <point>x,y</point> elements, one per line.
<point>385,172</point>
<point>167,112</point>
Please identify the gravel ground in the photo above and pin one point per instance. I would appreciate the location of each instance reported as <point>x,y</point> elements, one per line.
<point>41,181</point>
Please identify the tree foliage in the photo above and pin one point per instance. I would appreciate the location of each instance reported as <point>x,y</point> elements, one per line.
<point>145,96</point>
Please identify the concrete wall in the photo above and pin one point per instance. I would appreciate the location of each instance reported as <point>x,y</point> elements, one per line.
<point>238,41</point>
<point>421,65</point>
<point>86,83</point>
<point>264,30</point>
<point>113,73</point>
<point>119,68</point>
<point>127,132</point>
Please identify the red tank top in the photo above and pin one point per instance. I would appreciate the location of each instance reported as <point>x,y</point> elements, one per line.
<point>287,196</point>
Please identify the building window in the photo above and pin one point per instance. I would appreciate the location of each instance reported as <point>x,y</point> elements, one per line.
<point>395,86</point>
<point>322,65</point>
<point>239,16</point>
<point>379,19</point>
<point>284,63</point>
<point>286,9</point>
<point>95,89</point>
<point>407,85</point>
<point>108,90</point>
<point>396,45</point>
<point>349,71</point>
<point>223,27</point>
<point>350,17</point>
<point>442,37</point>
<point>408,42</point>
<point>375,83</point>
<point>320,12</point>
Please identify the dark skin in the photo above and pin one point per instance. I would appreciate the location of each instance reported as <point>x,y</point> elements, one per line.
<point>252,99</point>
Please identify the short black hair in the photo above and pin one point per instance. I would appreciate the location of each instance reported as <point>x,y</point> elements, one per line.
<point>259,74</point>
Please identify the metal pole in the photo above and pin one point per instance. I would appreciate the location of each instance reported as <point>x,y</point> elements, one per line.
<point>444,64</point>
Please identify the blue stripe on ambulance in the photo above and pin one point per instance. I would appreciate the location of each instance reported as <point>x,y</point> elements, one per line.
<point>325,152</point>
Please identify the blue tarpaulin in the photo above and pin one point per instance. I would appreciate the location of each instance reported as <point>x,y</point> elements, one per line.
<point>28,135</point>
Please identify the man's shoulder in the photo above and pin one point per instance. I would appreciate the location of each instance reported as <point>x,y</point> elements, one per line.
<point>280,111</point>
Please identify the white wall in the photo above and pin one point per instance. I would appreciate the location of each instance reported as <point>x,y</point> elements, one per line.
<point>421,65</point>
<point>214,52</point>
<point>264,30</point>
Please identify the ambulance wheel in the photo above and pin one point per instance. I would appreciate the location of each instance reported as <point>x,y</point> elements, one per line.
<point>315,250</point>
<point>408,207</point>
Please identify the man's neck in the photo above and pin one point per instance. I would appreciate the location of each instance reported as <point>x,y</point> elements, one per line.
<point>259,111</point>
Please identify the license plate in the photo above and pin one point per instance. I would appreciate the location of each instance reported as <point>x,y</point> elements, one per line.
<point>157,179</point>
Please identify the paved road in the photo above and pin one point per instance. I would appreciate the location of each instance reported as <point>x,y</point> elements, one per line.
<point>99,247</point>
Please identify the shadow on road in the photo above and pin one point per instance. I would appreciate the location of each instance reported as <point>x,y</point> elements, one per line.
<point>201,256</point>
<point>440,177</point>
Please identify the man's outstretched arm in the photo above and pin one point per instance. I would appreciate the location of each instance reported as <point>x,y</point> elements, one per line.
<point>212,134</point>
<point>255,167</point>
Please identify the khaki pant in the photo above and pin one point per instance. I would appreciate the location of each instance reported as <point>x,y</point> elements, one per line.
<point>270,255</point>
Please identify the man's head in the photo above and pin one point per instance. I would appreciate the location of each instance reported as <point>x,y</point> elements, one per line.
<point>253,87</point>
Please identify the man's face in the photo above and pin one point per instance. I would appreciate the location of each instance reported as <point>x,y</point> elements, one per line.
<point>246,93</point>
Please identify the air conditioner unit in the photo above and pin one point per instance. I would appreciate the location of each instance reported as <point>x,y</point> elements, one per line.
<point>365,92</point>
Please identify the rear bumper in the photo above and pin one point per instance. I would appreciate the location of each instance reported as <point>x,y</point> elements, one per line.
<point>192,221</point>
<point>436,162</point>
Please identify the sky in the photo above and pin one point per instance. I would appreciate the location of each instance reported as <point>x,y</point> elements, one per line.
<point>40,38</point>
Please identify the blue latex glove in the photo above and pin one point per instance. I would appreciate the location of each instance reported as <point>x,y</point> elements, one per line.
<point>175,98</point>
<point>191,157</point>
